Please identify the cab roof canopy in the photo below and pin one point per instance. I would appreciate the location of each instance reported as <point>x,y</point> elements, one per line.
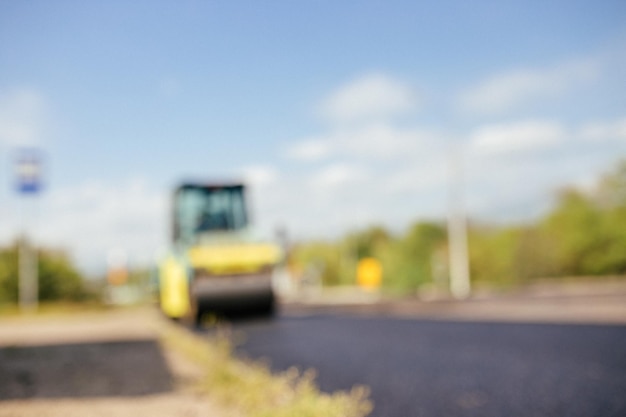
<point>209,185</point>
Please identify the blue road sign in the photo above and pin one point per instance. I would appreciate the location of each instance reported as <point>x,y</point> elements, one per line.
<point>28,171</point>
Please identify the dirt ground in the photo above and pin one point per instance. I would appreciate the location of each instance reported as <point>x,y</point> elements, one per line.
<point>590,303</point>
<point>94,364</point>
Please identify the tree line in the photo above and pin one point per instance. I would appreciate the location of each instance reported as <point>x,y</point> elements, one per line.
<point>584,234</point>
<point>58,277</point>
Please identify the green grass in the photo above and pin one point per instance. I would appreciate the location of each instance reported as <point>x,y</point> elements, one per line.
<point>248,388</point>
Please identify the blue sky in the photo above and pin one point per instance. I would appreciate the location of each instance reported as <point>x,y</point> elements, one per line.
<point>339,114</point>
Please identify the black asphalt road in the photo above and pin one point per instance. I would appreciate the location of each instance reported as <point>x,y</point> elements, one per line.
<point>443,368</point>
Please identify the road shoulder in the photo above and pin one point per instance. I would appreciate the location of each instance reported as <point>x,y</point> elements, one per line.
<point>58,366</point>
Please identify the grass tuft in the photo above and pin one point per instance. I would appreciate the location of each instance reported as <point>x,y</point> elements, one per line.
<point>249,388</point>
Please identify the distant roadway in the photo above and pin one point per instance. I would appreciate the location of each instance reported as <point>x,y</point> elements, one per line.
<point>418,366</point>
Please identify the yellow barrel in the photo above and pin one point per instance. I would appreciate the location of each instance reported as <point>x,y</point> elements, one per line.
<point>369,273</point>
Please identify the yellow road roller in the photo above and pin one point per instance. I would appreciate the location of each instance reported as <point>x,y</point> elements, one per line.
<point>215,262</point>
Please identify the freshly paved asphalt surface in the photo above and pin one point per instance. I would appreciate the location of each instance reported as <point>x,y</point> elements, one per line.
<point>444,368</point>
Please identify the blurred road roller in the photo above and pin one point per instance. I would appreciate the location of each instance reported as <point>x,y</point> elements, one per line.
<point>215,263</point>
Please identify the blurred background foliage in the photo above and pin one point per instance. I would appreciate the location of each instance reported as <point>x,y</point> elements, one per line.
<point>584,234</point>
<point>59,280</point>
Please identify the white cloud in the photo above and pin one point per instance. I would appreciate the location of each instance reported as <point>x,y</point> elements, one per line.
<point>508,90</point>
<point>602,131</point>
<point>372,96</point>
<point>360,113</point>
<point>383,141</point>
<point>336,175</point>
<point>524,136</point>
<point>329,201</point>
<point>93,218</point>
<point>310,149</point>
<point>260,175</point>
<point>377,141</point>
<point>375,169</point>
<point>418,177</point>
<point>22,117</point>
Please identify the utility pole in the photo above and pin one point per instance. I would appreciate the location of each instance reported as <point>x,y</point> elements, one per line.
<point>28,272</point>
<point>457,230</point>
<point>28,184</point>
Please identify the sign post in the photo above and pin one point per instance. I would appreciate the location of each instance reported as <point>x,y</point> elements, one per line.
<point>460,284</point>
<point>28,184</point>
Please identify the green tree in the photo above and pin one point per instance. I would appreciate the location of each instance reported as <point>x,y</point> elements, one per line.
<point>58,279</point>
<point>367,242</point>
<point>584,234</point>
<point>588,230</point>
<point>320,257</point>
<point>8,274</point>
<point>492,253</point>
<point>534,256</point>
<point>611,189</point>
<point>408,262</point>
<point>576,230</point>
